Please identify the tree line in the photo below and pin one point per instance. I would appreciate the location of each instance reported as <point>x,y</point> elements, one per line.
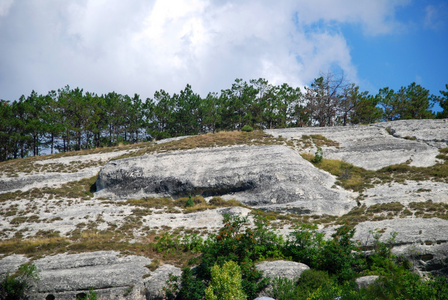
<point>71,119</point>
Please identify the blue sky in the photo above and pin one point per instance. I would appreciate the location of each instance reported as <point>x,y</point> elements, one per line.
<point>141,46</point>
<point>415,53</point>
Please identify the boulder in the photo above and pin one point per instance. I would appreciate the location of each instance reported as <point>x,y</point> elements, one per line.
<point>282,268</point>
<point>153,285</point>
<point>269,177</point>
<point>279,268</point>
<point>365,281</point>
<point>111,275</point>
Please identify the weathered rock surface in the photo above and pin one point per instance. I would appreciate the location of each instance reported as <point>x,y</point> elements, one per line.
<point>373,147</point>
<point>408,192</point>
<point>28,182</point>
<point>274,178</point>
<point>282,268</point>
<point>434,132</point>
<point>257,176</point>
<point>422,240</point>
<point>35,179</point>
<point>366,281</point>
<point>10,264</point>
<point>153,284</point>
<point>111,275</point>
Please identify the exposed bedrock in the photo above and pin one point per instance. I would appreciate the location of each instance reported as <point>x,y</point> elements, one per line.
<point>110,274</point>
<point>263,176</point>
<point>423,241</point>
<point>432,131</point>
<point>382,144</point>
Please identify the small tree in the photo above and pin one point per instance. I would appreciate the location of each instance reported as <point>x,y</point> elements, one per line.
<point>226,283</point>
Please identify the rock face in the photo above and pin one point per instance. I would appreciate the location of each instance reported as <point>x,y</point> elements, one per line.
<point>376,146</point>
<point>366,281</point>
<point>112,275</point>
<point>272,177</point>
<point>430,131</point>
<point>282,268</point>
<point>70,168</point>
<point>423,241</point>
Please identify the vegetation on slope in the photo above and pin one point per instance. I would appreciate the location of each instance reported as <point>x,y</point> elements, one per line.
<point>71,119</point>
<point>335,264</point>
<point>358,179</point>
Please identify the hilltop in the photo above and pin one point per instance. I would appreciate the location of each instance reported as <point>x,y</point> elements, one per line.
<point>79,214</point>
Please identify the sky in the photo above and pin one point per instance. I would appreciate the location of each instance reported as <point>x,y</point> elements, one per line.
<point>141,46</point>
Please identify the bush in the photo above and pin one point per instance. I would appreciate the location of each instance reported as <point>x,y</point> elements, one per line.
<point>283,289</point>
<point>247,128</point>
<point>335,264</point>
<point>225,283</point>
<point>14,287</point>
<point>189,202</point>
<point>318,156</point>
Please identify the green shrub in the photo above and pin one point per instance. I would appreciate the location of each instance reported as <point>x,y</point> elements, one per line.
<point>311,280</point>
<point>225,283</point>
<point>318,156</point>
<point>335,264</point>
<point>189,202</point>
<point>192,287</point>
<point>247,128</point>
<point>91,295</point>
<point>283,289</point>
<point>340,256</point>
<point>14,287</point>
<point>305,245</point>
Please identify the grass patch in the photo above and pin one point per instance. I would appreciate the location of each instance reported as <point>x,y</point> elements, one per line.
<point>358,179</point>
<point>82,189</point>
<point>199,204</point>
<point>348,176</point>
<point>211,140</point>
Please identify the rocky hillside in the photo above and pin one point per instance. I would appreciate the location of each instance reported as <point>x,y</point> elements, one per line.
<point>91,219</point>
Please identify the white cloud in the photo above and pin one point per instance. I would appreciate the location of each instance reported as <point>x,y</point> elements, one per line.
<point>436,16</point>
<point>5,5</point>
<point>375,17</point>
<point>143,46</point>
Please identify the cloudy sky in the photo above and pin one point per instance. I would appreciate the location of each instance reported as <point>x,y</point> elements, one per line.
<point>140,46</point>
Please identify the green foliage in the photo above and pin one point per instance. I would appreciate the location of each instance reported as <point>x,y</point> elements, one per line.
<point>225,283</point>
<point>283,289</point>
<point>443,102</point>
<point>189,202</point>
<point>411,102</point>
<point>318,156</point>
<point>340,255</point>
<point>230,256</point>
<point>71,119</point>
<point>192,287</point>
<point>91,295</point>
<point>305,245</point>
<point>14,287</point>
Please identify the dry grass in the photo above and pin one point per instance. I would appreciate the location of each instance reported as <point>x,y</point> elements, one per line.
<point>170,205</point>
<point>82,189</point>
<point>358,179</point>
<point>211,140</point>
